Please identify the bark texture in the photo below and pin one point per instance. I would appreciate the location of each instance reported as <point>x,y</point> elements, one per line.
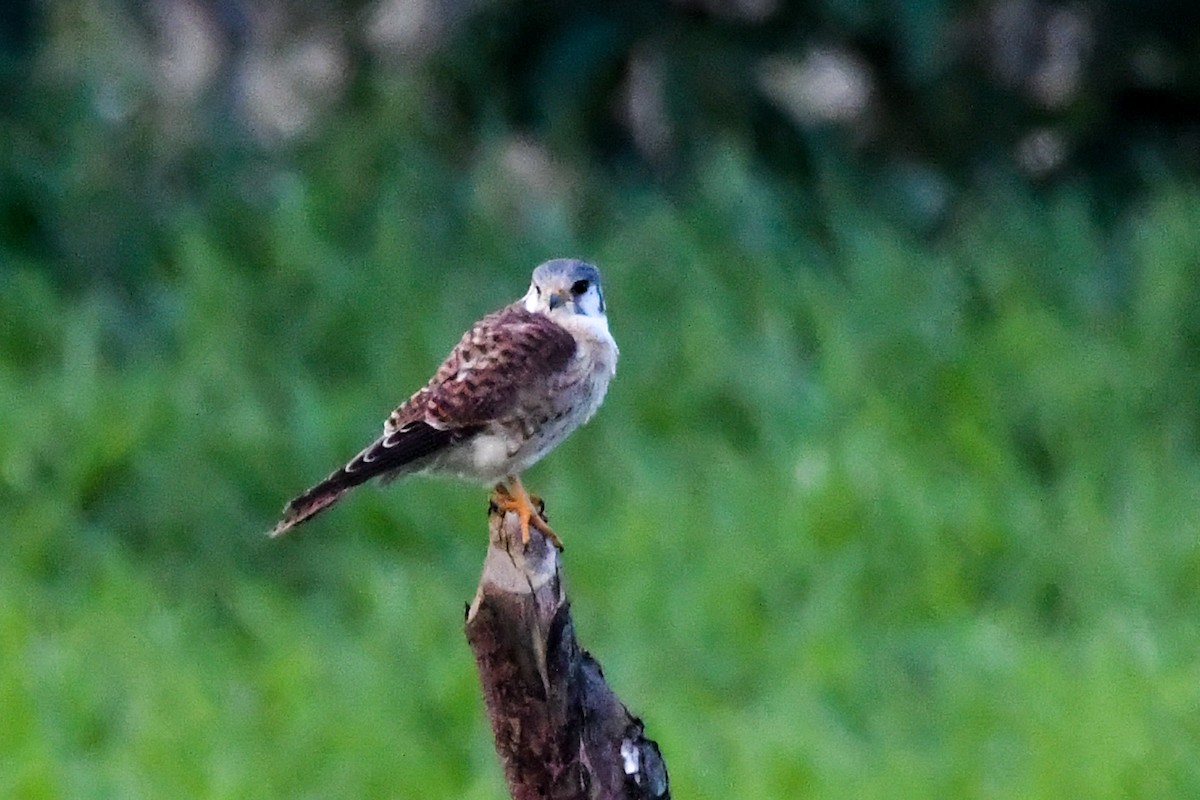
<point>560,732</point>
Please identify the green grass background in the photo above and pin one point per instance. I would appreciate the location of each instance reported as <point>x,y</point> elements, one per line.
<point>867,513</point>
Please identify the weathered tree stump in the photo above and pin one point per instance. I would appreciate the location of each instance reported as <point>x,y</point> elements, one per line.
<point>560,732</point>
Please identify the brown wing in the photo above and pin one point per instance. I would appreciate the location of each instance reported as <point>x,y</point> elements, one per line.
<point>477,383</point>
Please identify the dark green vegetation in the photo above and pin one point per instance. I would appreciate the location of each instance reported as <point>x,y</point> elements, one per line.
<point>875,508</point>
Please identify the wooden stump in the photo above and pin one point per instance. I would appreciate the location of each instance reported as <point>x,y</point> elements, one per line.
<point>560,732</point>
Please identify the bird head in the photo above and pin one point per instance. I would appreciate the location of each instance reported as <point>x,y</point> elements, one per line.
<point>566,286</point>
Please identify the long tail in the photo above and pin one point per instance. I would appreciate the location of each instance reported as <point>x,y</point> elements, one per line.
<point>320,497</point>
<point>390,456</point>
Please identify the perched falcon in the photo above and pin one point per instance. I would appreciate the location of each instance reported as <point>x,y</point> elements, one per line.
<point>517,383</point>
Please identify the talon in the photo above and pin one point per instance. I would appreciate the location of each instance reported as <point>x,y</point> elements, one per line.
<point>530,511</point>
<point>500,500</point>
<point>539,522</point>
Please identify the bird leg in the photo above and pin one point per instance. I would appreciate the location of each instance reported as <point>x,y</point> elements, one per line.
<point>530,510</point>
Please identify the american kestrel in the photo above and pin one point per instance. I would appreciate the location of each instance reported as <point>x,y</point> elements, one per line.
<point>517,384</point>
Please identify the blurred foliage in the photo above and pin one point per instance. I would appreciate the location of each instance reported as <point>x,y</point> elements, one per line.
<point>121,115</point>
<point>956,86</point>
<point>895,495</point>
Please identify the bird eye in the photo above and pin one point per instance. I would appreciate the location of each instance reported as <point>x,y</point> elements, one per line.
<point>579,287</point>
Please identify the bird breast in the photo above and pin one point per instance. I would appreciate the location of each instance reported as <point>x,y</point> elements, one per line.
<point>548,414</point>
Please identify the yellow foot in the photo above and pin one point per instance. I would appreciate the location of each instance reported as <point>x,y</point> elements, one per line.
<point>529,510</point>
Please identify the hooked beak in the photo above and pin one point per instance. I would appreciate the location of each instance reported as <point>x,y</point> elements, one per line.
<point>558,299</point>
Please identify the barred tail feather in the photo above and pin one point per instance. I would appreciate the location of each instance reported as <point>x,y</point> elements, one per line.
<point>309,504</point>
<point>390,456</point>
<point>362,468</point>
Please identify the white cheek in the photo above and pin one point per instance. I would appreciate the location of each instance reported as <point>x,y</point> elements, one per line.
<point>531,300</point>
<point>596,326</point>
<point>591,304</point>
